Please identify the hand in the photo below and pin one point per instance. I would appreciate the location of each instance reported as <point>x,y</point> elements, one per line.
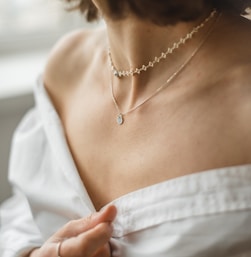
<point>87,237</point>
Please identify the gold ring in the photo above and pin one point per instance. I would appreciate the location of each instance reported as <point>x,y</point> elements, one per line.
<point>58,248</point>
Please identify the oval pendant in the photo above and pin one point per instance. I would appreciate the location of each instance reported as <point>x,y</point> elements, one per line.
<point>120,119</point>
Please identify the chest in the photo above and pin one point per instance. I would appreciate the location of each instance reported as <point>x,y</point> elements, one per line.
<point>160,141</point>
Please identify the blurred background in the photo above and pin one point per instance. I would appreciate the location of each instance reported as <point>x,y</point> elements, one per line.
<point>28,30</point>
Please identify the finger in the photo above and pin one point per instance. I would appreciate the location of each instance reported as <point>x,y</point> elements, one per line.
<point>76,227</point>
<point>107,214</point>
<point>98,236</point>
<point>104,251</point>
<point>88,243</point>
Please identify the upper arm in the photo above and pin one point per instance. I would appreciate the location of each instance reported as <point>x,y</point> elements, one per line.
<point>19,233</point>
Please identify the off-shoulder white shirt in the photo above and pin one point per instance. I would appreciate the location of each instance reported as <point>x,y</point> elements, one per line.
<point>207,214</point>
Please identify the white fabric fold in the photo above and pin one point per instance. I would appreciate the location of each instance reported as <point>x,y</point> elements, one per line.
<point>207,214</point>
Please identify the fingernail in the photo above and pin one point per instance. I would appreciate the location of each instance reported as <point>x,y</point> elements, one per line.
<point>103,209</point>
<point>100,212</point>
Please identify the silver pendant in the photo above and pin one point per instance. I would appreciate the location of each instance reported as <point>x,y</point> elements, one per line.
<point>120,119</point>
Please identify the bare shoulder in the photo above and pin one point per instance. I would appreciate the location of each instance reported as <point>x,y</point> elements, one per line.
<point>238,68</point>
<point>71,57</point>
<point>239,77</point>
<point>232,52</point>
<point>230,79</point>
<point>241,53</point>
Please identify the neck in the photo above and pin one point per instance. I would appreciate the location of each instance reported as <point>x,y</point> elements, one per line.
<point>134,43</point>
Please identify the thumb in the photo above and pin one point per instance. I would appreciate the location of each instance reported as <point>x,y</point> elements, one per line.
<point>76,227</point>
<point>107,214</point>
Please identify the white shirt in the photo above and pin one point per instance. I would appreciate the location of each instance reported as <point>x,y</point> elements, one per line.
<point>207,214</point>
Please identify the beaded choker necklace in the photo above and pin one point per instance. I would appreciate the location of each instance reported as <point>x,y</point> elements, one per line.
<point>120,115</point>
<point>134,71</point>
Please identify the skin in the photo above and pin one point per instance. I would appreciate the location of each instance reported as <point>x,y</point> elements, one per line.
<point>87,237</point>
<point>201,121</point>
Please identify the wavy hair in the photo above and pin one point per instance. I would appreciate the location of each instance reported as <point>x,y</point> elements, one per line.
<point>161,12</point>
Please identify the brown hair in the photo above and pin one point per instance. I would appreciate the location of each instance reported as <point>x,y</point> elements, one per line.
<point>162,11</point>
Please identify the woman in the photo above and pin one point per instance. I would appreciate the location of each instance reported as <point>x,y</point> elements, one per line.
<point>147,120</point>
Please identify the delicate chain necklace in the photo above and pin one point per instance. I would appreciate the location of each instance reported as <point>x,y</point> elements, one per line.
<point>163,55</point>
<point>120,115</point>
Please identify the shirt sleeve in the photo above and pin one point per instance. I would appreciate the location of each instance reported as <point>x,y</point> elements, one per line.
<point>19,233</point>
